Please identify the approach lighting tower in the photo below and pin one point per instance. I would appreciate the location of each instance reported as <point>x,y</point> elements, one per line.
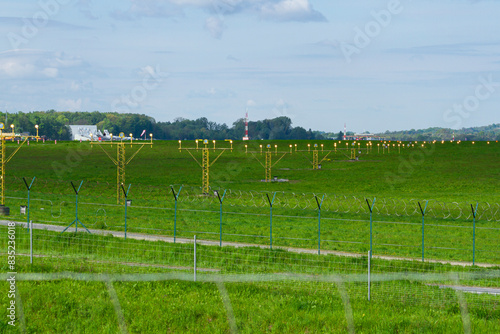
<point>205,159</point>
<point>246,127</point>
<point>268,165</point>
<point>316,162</point>
<point>121,160</point>
<point>4,159</point>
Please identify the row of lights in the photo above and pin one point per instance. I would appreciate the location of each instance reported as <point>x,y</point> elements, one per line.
<point>12,127</point>
<point>385,144</point>
<point>205,142</point>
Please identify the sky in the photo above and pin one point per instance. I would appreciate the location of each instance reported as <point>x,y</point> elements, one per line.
<point>373,65</point>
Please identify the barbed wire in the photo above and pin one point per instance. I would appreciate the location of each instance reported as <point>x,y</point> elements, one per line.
<point>346,204</point>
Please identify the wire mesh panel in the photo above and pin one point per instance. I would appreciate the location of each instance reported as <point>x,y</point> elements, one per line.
<point>450,231</point>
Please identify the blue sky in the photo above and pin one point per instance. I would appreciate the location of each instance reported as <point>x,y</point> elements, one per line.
<point>375,65</point>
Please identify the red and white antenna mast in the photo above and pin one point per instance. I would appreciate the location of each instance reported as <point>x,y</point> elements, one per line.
<point>345,131</point>
<point>246,126</point>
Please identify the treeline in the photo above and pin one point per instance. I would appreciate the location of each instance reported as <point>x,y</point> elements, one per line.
<point>490,132</point>
<point>54,125</point>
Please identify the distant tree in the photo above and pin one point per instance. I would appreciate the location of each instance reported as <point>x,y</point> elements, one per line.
<point>298,133</point>
<point>53,124</point>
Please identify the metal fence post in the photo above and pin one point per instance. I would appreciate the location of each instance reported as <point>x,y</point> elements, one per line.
<point>271,219</point>
<point>76,221</point>
<point>220,220</point>
<point>31,241</point>
<point>126,195</point>
<point>423,225</point>
<point>369,274</point>
<point>195,258</point>
<point>370,207</point>
<point>176,197</point>
<point>319,221</point>
<point>474,213</point>
<point>29,188</point>
<point>76,207</point>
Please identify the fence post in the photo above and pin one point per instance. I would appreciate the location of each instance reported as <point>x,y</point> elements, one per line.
<point>319,220</point>
<point>271,219</point>
<point>370,207</point>
<point>195,258</point>
<point>28,208</point>
<point>31,240</point>
<point>176,197</point>
<point>369,274</point>
<point>474,213</point>
<point>126,195</point>
<point>423,225</point>
<point>220,220</point>
<point>76,221</point>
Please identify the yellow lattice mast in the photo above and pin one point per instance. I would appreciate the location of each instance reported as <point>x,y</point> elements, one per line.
<point>121,161</point>
<point>316,161</point>
<point>205,160</point>
<point>120,168</point>
<point>205,170</point>
<point>268,162</point>
<point>269,165</point>
<point>4,159</point>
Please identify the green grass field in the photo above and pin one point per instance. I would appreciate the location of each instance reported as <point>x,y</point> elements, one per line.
<point>451,176</point>
<point>448,172</point>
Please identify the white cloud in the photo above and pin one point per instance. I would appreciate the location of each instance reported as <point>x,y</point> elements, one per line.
<point>75,86</point>
<point>85,7</point>
<point>215,26</point>
<point>147,8</point>
<point>70,104</point>
<point>82,86</point>
<point>278,10</point>
<point>251,103</point>
<point>50,72</point>
<point>36,64</point>
<point>291,10</point>
<point>16,69</point>
<point>281,108</point>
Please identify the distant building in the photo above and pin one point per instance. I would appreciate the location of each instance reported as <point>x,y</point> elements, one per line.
<point>84,132</point>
